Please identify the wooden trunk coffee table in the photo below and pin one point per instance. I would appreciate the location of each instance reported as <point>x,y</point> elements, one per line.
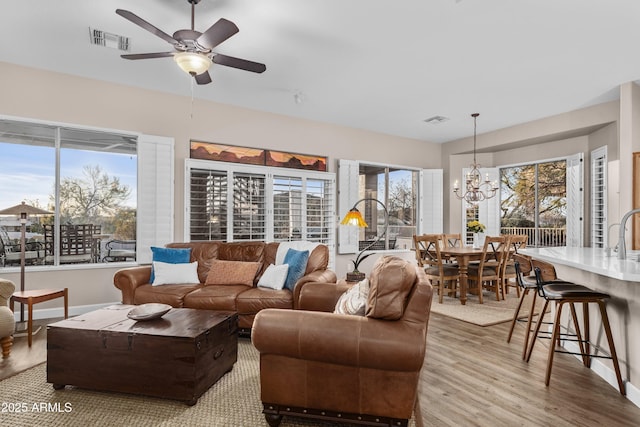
<point>178,356</point>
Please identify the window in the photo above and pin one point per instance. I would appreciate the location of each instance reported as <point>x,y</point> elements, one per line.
<point>534,202</point>
<point>234,202</point>
<point>413,199</point>
<point>88,179</point>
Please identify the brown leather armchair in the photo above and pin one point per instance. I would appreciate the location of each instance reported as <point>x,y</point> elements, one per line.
<point>344,368</point>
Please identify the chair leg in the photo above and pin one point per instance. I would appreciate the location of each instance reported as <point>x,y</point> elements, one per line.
<point>554,339</point>
<point>6,344</point>
<point>529,320</point>
<point>536,330</point>
<point>581,341</point>
<point>612,347</point>
<point>515,315</point>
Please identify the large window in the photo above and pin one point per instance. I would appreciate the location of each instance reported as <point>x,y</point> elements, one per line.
<point>88,180</point>
<point>534,202</point>
<point>233,202</point>
<point>397,189</point>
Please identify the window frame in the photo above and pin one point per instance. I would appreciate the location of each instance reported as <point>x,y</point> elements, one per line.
<point>152,177</point>
<point>270,174</point>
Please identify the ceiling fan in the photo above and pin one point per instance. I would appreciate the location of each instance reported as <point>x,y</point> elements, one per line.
<point>193,49</point>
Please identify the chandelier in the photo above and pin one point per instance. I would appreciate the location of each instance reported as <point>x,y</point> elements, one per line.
<point>475,190</point>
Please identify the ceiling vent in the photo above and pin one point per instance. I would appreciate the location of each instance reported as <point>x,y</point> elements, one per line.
<point>435,120</point>
<point>114,41</point>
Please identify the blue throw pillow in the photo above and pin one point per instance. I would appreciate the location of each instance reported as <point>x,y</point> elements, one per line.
<point>171,256</point>
<point>297,261</point>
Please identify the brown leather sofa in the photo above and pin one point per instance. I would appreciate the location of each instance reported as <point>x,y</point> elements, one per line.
<point>345,368</point>
<point>246,301</point>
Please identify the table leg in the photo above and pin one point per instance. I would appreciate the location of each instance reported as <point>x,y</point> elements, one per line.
<point>66,303</point>
<point>463,264</point>
<point>30,321</point>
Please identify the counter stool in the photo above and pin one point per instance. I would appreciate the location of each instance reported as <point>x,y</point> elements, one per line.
<point>39,295</point>
<point>524,286</point>
<point>570,293</point>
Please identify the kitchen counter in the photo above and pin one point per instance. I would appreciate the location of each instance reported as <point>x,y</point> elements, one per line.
<point>591,259</point>
<point>618,278</point>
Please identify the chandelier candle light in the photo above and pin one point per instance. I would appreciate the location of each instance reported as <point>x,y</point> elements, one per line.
<point>474,185</point>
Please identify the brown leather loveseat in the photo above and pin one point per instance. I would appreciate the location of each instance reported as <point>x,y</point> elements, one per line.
<point>347,368</point>
<point>245,300</point>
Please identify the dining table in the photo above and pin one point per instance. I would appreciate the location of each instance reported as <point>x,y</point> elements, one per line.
<point>463,256</point>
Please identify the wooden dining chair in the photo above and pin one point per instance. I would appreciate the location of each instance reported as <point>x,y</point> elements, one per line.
<point>443,276</point>
<point>487,273</point>
<point>452,240</point>
<point>517,242</point>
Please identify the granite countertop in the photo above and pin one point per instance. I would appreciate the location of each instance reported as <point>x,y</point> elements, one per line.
<point>594,260</point>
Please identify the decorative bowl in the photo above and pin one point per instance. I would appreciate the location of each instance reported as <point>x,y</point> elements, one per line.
<point>148,311</point>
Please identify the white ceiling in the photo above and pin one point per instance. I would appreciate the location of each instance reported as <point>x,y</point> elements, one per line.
<point>379,65</point>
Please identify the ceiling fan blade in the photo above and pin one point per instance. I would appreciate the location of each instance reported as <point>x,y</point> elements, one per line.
<point>144,24</point>
<point>147,55</point>
<point>241,64</point>
<point>217,33</point>
<point>203,79</point>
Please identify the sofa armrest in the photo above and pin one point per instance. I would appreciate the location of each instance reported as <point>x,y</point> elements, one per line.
<point>340,339</point>
<point>322,296</point>
<point>324,276</point>
<point>128,279</point>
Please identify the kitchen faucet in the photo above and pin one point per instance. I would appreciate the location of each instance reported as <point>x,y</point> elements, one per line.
<point>622,247</point>
<point>608,248</point>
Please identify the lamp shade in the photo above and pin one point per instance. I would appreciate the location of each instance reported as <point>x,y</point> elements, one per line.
<point>192,63</point>
<point>354,217</point>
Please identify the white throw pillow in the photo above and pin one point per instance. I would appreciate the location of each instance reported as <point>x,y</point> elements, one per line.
<point>274,276</point>
<point>173,274</point>
<point>354,301</point>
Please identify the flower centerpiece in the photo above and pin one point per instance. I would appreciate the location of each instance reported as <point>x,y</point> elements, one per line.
<point>476,227</point>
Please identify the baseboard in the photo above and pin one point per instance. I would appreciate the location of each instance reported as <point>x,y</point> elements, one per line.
<point>607,373</point>
<point>52,313</point>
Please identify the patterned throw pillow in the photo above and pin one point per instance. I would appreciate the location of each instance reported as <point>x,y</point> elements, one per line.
<point>354,301</point>
<point>297,261</point>
<point>171,256</point>
<point>232,273</point>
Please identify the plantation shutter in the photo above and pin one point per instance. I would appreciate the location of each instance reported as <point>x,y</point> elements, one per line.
<point>599,238</point>
<point>430,202</point>
<point>155,194</point>
<point>575,200</point>
<point>348,172</point>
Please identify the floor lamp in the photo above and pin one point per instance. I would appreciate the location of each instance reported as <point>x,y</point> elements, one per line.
<point>354,217</point>
<point>23,211</point>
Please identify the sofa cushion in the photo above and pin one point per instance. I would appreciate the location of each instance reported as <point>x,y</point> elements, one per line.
<point>390,283</point>
<point>274,277</point>
<point>354,300</point>
<point>170,274</point>
<point>166,294</point>
<point>204,252</point>
<point>214,297</point>
<point>297,261</point>
<point>170,255</point>
<point>253,300</point>
<point>232,273</point>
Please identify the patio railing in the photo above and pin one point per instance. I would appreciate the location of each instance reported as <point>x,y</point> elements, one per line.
<point>546,236</point>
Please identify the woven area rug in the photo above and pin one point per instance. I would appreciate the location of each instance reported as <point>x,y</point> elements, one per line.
<point>490,312</point>
<point>234,401</point>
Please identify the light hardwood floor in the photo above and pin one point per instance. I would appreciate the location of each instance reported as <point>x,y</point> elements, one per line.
<point>473,377</point>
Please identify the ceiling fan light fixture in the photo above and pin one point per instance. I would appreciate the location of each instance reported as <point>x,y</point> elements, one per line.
<point>192,63</point>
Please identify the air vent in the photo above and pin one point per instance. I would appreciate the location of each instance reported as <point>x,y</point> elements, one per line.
<point>436,120</point>
<point>114,41</point>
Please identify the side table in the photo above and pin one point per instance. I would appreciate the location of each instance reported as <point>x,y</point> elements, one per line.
<point>34,297</point>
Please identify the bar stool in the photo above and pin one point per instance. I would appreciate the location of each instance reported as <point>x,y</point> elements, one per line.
<point>570,293</point>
